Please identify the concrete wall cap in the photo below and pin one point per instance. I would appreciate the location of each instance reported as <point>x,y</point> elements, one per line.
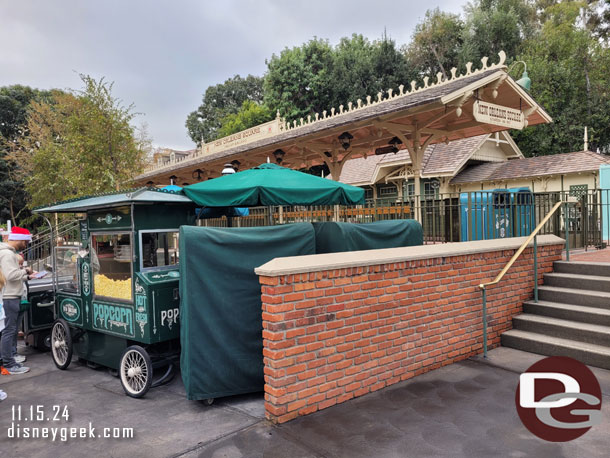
<point>331,261</point>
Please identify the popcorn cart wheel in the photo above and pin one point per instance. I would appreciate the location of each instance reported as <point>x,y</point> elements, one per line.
<point>61,344</point>
<point>135,371</point>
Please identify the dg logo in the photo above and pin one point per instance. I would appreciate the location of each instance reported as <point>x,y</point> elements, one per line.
<point>558,399</point>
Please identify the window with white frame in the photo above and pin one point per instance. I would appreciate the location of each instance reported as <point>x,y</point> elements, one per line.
<point>388,190</point>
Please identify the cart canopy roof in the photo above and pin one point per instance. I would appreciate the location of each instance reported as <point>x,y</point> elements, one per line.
<point>271,184</point>
<point>117,199</point>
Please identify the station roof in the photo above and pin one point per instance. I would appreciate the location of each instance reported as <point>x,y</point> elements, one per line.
<point>440,111</point>
<point>116,199</point>
<point>555,164</point>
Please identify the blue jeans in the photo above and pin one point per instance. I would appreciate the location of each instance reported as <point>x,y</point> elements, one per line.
<point>9,333</point>
<point>19,318</point>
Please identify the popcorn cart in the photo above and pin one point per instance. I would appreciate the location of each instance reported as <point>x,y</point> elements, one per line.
<point>121,309</point>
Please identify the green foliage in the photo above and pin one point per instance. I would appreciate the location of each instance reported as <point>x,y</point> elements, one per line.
<point>218,102</point>
<point>570,72</point>
<point>495,25</point>
<point>315,77</point>
<point>80,143</point>
<point>14,103</point>
<point>250,114</point>
<point>299,81</point>
<point>436,43</point>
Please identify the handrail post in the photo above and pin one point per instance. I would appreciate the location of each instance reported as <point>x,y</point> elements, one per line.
<point>484,322</point>
<point>530,238</point>
<point>535,269</point>
<point>567,223</point>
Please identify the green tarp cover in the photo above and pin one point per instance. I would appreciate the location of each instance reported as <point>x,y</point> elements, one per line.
<point>220,300</point>
<point>271,184</point>
<point>335,237</point>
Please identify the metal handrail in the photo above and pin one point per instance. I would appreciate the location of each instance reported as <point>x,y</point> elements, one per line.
<point>510,263</point>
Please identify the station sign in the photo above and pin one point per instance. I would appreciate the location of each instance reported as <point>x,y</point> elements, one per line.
<point>498,115</point>
<point>269,129</point>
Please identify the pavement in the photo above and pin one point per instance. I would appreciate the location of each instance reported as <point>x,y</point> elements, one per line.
<point>465,409</point>
<point>590,255</point>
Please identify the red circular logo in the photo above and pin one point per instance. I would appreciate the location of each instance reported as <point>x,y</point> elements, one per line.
<point>558,399</point>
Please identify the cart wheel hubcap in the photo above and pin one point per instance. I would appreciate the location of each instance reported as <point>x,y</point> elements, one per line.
<point>133,371</point>
<point>59,343</point>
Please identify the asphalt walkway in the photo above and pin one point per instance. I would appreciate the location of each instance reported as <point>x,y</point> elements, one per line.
<point>463,410</point>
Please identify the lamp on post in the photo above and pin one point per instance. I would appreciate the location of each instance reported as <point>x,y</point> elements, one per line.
<point>172,179</point>
<point>525,82</point>
<point>279,156</point>
<point>228,169</point>
<point>345,138</point>
<point>197,174</point>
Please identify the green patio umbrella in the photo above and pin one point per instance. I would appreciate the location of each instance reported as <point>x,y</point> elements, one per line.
<point>270,184</point>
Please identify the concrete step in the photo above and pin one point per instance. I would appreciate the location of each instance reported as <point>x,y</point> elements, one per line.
<point>556,327</point>
<point>594,355</point>
<point>582,268</point>
<point>579,313</point>
<point>578,281</point>
<point>584,297</point>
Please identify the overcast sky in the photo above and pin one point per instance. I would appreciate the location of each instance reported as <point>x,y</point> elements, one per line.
<point>162,55</point>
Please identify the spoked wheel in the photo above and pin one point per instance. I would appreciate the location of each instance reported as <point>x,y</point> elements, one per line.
<point>135,371</point>
<point>61,344</point>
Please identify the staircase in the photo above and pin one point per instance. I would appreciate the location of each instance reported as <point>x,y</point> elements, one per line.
<point>571,317</point>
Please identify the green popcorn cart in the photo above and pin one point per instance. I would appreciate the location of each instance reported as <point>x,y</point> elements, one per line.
<point>122,308</point>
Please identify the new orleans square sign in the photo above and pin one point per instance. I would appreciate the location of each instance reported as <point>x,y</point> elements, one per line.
<point>498,115</point>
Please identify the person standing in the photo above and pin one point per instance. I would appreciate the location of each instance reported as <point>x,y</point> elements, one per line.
<point>15,276</point>
<point>2,393</point>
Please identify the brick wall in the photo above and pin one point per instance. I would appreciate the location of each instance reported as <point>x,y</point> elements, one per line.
<point>333,334</point>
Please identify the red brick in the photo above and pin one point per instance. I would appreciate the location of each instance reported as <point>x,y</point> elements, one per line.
<point>272,281</point>
<point>385,332</point>
<point>316,398</point>
<point>327,403</point>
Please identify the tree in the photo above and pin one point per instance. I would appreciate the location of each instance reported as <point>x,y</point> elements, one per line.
<point>497,25</point>
<point>390,67</point>
<point>250,114</point>
<point>299,81</point>
<point>14,104</point>
<point>436,43</point>
<point>79,144</point>
<point>316,77</point>
<point>218,102</point>
<point>570,72</point>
